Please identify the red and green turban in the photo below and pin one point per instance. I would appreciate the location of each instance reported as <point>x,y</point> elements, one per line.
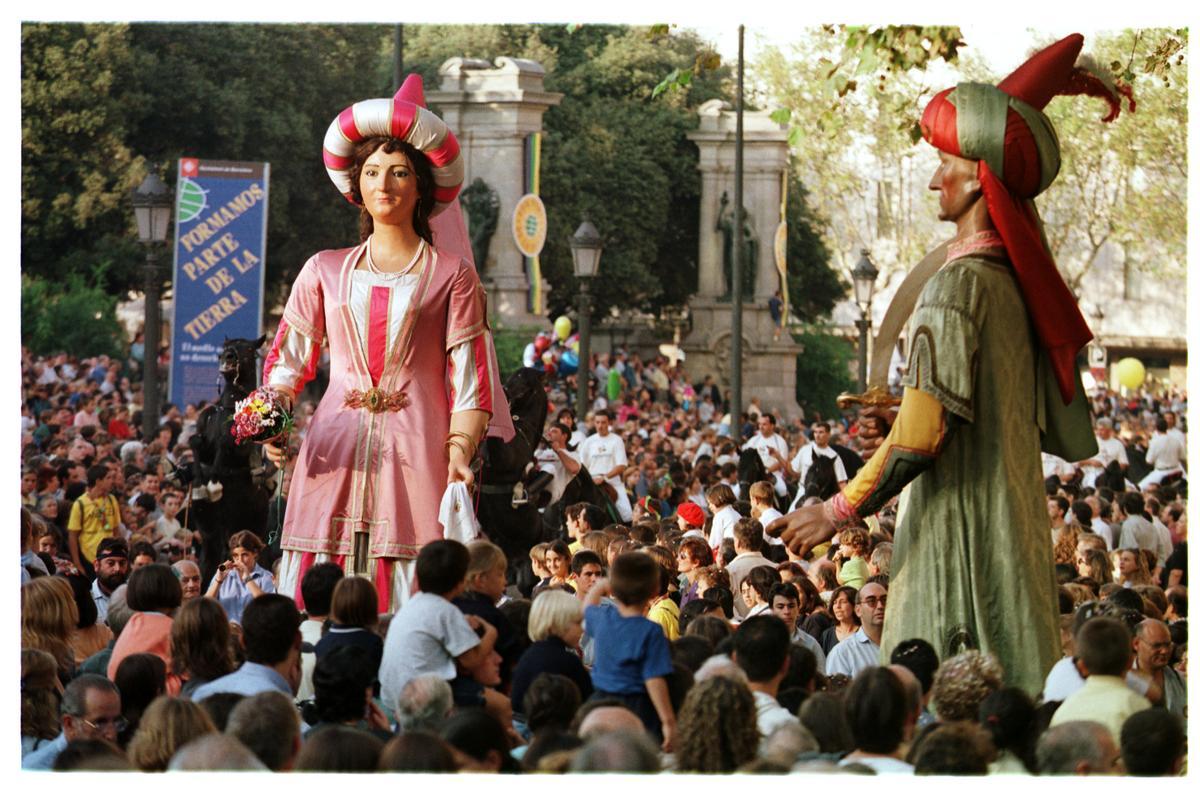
<point>1003,128</point>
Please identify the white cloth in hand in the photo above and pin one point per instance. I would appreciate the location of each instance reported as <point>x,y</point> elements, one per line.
<point>457,514</point>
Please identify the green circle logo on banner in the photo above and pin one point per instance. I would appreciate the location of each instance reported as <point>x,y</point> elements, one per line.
<point>529,225</point>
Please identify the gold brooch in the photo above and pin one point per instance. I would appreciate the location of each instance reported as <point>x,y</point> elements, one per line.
<point>376,400</point>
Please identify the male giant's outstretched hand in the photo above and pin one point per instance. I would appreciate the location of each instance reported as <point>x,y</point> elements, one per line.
<point>803,529</point>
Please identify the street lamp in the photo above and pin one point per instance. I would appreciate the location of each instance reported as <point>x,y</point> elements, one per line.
<point>864,275</point>
<point>586,247</point>
<point>152,208</point>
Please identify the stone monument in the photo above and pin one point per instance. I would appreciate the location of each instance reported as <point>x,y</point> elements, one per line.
<point>768,365</point>
<point>492,109</point>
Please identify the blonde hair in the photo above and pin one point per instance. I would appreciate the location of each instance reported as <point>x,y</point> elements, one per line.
<point>1068,539</point>
<point>485,557</point>
<point>537,553</point>
<point>597,542</point>
<point>551,613</point>
<point>49,617</point>
<point>720,495</point>
<point>761,491</point>
<point>167,725</point>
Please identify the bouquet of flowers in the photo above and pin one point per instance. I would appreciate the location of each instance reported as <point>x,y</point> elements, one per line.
<point>261,417</point>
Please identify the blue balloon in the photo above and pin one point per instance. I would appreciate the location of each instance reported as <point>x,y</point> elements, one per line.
<point>568,362</point>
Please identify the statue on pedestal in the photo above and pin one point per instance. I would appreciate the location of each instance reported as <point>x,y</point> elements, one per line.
<point>725,223</point>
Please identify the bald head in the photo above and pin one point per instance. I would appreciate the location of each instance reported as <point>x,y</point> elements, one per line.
<point>609,719</point>
<point>214,751</point>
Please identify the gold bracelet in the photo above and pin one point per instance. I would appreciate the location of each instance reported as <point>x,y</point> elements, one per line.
<point>464,441</point>
<point>462,449</point>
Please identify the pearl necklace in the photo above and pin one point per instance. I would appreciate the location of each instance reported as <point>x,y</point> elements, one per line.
<point>374,269</point>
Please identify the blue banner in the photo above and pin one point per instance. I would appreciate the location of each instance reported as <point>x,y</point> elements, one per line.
<point>220,260</point>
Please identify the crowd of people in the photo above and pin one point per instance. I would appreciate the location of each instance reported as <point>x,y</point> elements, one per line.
<point>667,631</point>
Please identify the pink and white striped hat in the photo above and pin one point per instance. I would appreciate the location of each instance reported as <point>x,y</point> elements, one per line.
<point>403,117</point>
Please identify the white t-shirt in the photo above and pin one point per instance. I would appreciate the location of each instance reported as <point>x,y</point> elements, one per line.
<point>1111,450</point>
<point>426,635</point>
<point>722,527</point>
<point>602,454</point>
<point>766,518</point>
<point>548,461</point>
<point>804,460</point>
<point>1165,452</point>
<point>763,445</point>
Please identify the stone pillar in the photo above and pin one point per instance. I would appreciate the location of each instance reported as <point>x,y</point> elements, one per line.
<point>491,110</point>
<point>768,364</point>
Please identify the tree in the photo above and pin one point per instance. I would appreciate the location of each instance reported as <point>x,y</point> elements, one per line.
<point>95,95</point>
<point>852,143</point>
<point>76,164</point>
<point>73,316</point>
<point>813,288</point>
<point>822,372</point>
<point>853,137</point>
<point>1123,180</point>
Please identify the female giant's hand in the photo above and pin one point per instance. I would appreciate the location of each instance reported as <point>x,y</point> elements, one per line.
<point>275,454</point>
<point>460,469</point>
<point>276,451</point>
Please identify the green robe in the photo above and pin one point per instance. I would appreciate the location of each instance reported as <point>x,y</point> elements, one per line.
<point>973,566</point>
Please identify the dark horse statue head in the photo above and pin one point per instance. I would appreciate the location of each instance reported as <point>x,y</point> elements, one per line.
<point>750,471</point>
<point>506,462</point>
<point>238,364</point>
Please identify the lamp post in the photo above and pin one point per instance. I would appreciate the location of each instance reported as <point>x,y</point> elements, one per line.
<point>586,247</point>
<point>152,208</point>
<point>864,275</point>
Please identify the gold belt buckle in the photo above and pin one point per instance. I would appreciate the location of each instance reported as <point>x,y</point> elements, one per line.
<point>376,400</point>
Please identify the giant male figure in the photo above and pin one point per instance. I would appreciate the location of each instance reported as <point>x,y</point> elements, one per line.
<point>992,379</point>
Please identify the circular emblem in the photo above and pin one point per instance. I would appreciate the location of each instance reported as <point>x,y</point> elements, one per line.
<point>529,225</point>
<point>373,400</point>
<point>192,200</point>
<point>781,247</point>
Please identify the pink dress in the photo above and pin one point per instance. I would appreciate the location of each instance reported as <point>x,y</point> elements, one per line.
<point>405,352</point>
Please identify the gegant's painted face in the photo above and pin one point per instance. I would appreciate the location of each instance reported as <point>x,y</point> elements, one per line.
<point>957,182</point>
<point>388,185</point>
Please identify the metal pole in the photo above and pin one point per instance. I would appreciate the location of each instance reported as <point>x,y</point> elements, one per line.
<point>585,351</point>
<point>397,57</point>
<point>735,409</point>
<point>864,327</point>
<point>150,402</point>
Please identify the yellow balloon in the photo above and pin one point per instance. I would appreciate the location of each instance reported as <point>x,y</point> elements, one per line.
<point>1130,373</point>
<point>562,328</point>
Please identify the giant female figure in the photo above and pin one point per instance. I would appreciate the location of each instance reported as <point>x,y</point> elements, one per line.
<point>413,377</point>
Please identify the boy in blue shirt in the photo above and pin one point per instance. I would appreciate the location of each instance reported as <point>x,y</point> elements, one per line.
<point>632,654</point>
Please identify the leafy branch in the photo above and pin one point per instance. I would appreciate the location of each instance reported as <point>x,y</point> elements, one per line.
<point>679,79</point>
